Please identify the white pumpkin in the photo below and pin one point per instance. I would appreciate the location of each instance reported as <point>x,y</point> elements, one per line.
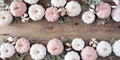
<point>116,14</point>
<point>58,3</point>
<point>88,17</point>
<point>38,51</point>
<point>72,55</point>
<point>7,50</point>
<point>31,1</point>
<point>116,48</point>
<point>5,18</point>
<point>104,49</point>
<point>73,8</point>
<point>78,44</point>
<point>36,12</point>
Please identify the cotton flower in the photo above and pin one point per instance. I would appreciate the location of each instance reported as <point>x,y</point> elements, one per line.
<point>5,18</point>
<point>36,12</point>
<point>116,48</point>
<point>58,3</point>
<point>93,42</point>
<point>25,18</point>
<point>104,49</point>
<point>7,50</point>
<point>78,44</point>
<point>38,51</point>
<point>22,45</point>
<point>18,8</point>
<point>51,14</point>
<point>68,46</point>
<point>92,8</point>
<point>62,11</point>
<point>103,10</point>
<point>73,8</point>
<point>72,56</point>
<point>12,38</point>
<point>55,46</point>
<point>88,17</point>
<point>31,1</point>
<point>116,14</point>
<point>89,53</point>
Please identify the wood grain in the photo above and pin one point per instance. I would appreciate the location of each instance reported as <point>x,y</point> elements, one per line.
<point>42,31</point>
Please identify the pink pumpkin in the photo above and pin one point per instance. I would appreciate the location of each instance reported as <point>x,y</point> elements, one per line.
<point>55,46</point>
<point>18,8</point>
<point>103,10</point>
<point>22,45</point>
<point>51,14</point>
<point>89,53</point>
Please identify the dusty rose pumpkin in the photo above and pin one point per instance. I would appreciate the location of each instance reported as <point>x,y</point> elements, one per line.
<point>22,45</point>
<point>18,8</point>
<point>103,10</point>
<point>51,14</point>
<point>55,46</point>
<point>89,53</point>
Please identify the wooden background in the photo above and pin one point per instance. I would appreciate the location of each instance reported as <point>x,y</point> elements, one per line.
<point>42,31</point>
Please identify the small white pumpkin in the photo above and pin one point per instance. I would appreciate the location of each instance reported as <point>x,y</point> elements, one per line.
<point>38,51</point>
<point>58,3</point>
<point>5,18</point>
<point>72,55</point>
<point>36,12</point>
<point>31,1</point>
<point>116,48</point>
<point>104,49</point>
<point>7,50</point>
<point>116,14</point>
<point>73,8</point>
<point>88,17</point>
<point>78,44</point>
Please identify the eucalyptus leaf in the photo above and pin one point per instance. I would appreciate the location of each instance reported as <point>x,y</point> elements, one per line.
<point>63,54</point>
<point>112,41</point>
<point>59,58</point>
<point>16,20</point>
<point>111,56</point>
<point>31,40</point>
<point>1,41</point>
<point>101,21</point>
<point>64,19</point>
<point>64,40</point>
<point>90,2</point>
<point>50,57</point>
<point>19,56</point>
<point>47,57</point>
<point>84,7</point>
<point>47,5</point>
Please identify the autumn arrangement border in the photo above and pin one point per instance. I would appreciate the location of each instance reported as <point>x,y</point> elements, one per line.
<point>58,48</point>
<point>61,11</point>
